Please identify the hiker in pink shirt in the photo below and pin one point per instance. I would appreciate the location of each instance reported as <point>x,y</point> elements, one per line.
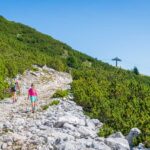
<point>32,94</point>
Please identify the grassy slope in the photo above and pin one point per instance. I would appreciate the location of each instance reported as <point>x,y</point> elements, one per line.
<point>117,97</point>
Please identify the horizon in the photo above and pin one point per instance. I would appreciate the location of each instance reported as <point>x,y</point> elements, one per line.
<point>101,29</point>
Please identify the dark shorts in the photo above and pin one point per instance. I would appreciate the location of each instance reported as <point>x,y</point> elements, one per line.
<point>13,89</point>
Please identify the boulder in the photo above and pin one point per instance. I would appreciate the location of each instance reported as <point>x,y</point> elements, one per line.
<point>16,137</point>
<point>117,135</point>
<point>4,146</point>
<point>69,126</point>
<point>86,132</point>
<point>71,145</point>
<point>7,138</point>
<point>117,143</point>
<point>134,132</point>
<point>19,122</point>
<point>90,124</point>
<point>100,146</point>
<point>69,119</point>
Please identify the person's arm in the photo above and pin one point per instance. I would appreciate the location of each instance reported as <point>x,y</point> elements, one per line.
<point>19,89</point>
<point>36,94</point>
<point>28,95</point>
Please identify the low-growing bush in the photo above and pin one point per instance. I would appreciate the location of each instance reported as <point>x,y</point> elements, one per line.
<point>105,131</point>
<point>61,93</point>
<point>54,102</point>
<point>45,107</point>
<point>34,69</point>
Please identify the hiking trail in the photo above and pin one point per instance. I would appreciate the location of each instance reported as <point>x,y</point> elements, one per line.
<point>60,127</point>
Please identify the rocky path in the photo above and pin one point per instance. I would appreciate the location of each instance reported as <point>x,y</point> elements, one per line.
<point>60,127</point>
<point>47,81</point>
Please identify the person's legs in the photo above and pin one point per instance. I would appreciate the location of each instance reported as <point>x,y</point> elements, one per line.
<point>36,101</point>
<point>14,96</point>
<point>33,103</point>
<point>33,107</point>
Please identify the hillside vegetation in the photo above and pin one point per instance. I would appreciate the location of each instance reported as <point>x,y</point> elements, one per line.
<point>117,97</point>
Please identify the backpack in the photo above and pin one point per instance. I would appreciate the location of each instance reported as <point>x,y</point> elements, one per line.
<point>13,86</point>
<point>13,89</point>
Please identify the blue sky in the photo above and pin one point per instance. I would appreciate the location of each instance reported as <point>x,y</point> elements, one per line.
<point>101,28</point>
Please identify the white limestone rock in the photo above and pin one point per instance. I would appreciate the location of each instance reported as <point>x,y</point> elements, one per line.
<point>117,143</point>
<point>134,132</point>
<point>69,119</point>
<point>117,135</point>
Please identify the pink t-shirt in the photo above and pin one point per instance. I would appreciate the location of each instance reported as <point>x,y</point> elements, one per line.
<point>32,92</point>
